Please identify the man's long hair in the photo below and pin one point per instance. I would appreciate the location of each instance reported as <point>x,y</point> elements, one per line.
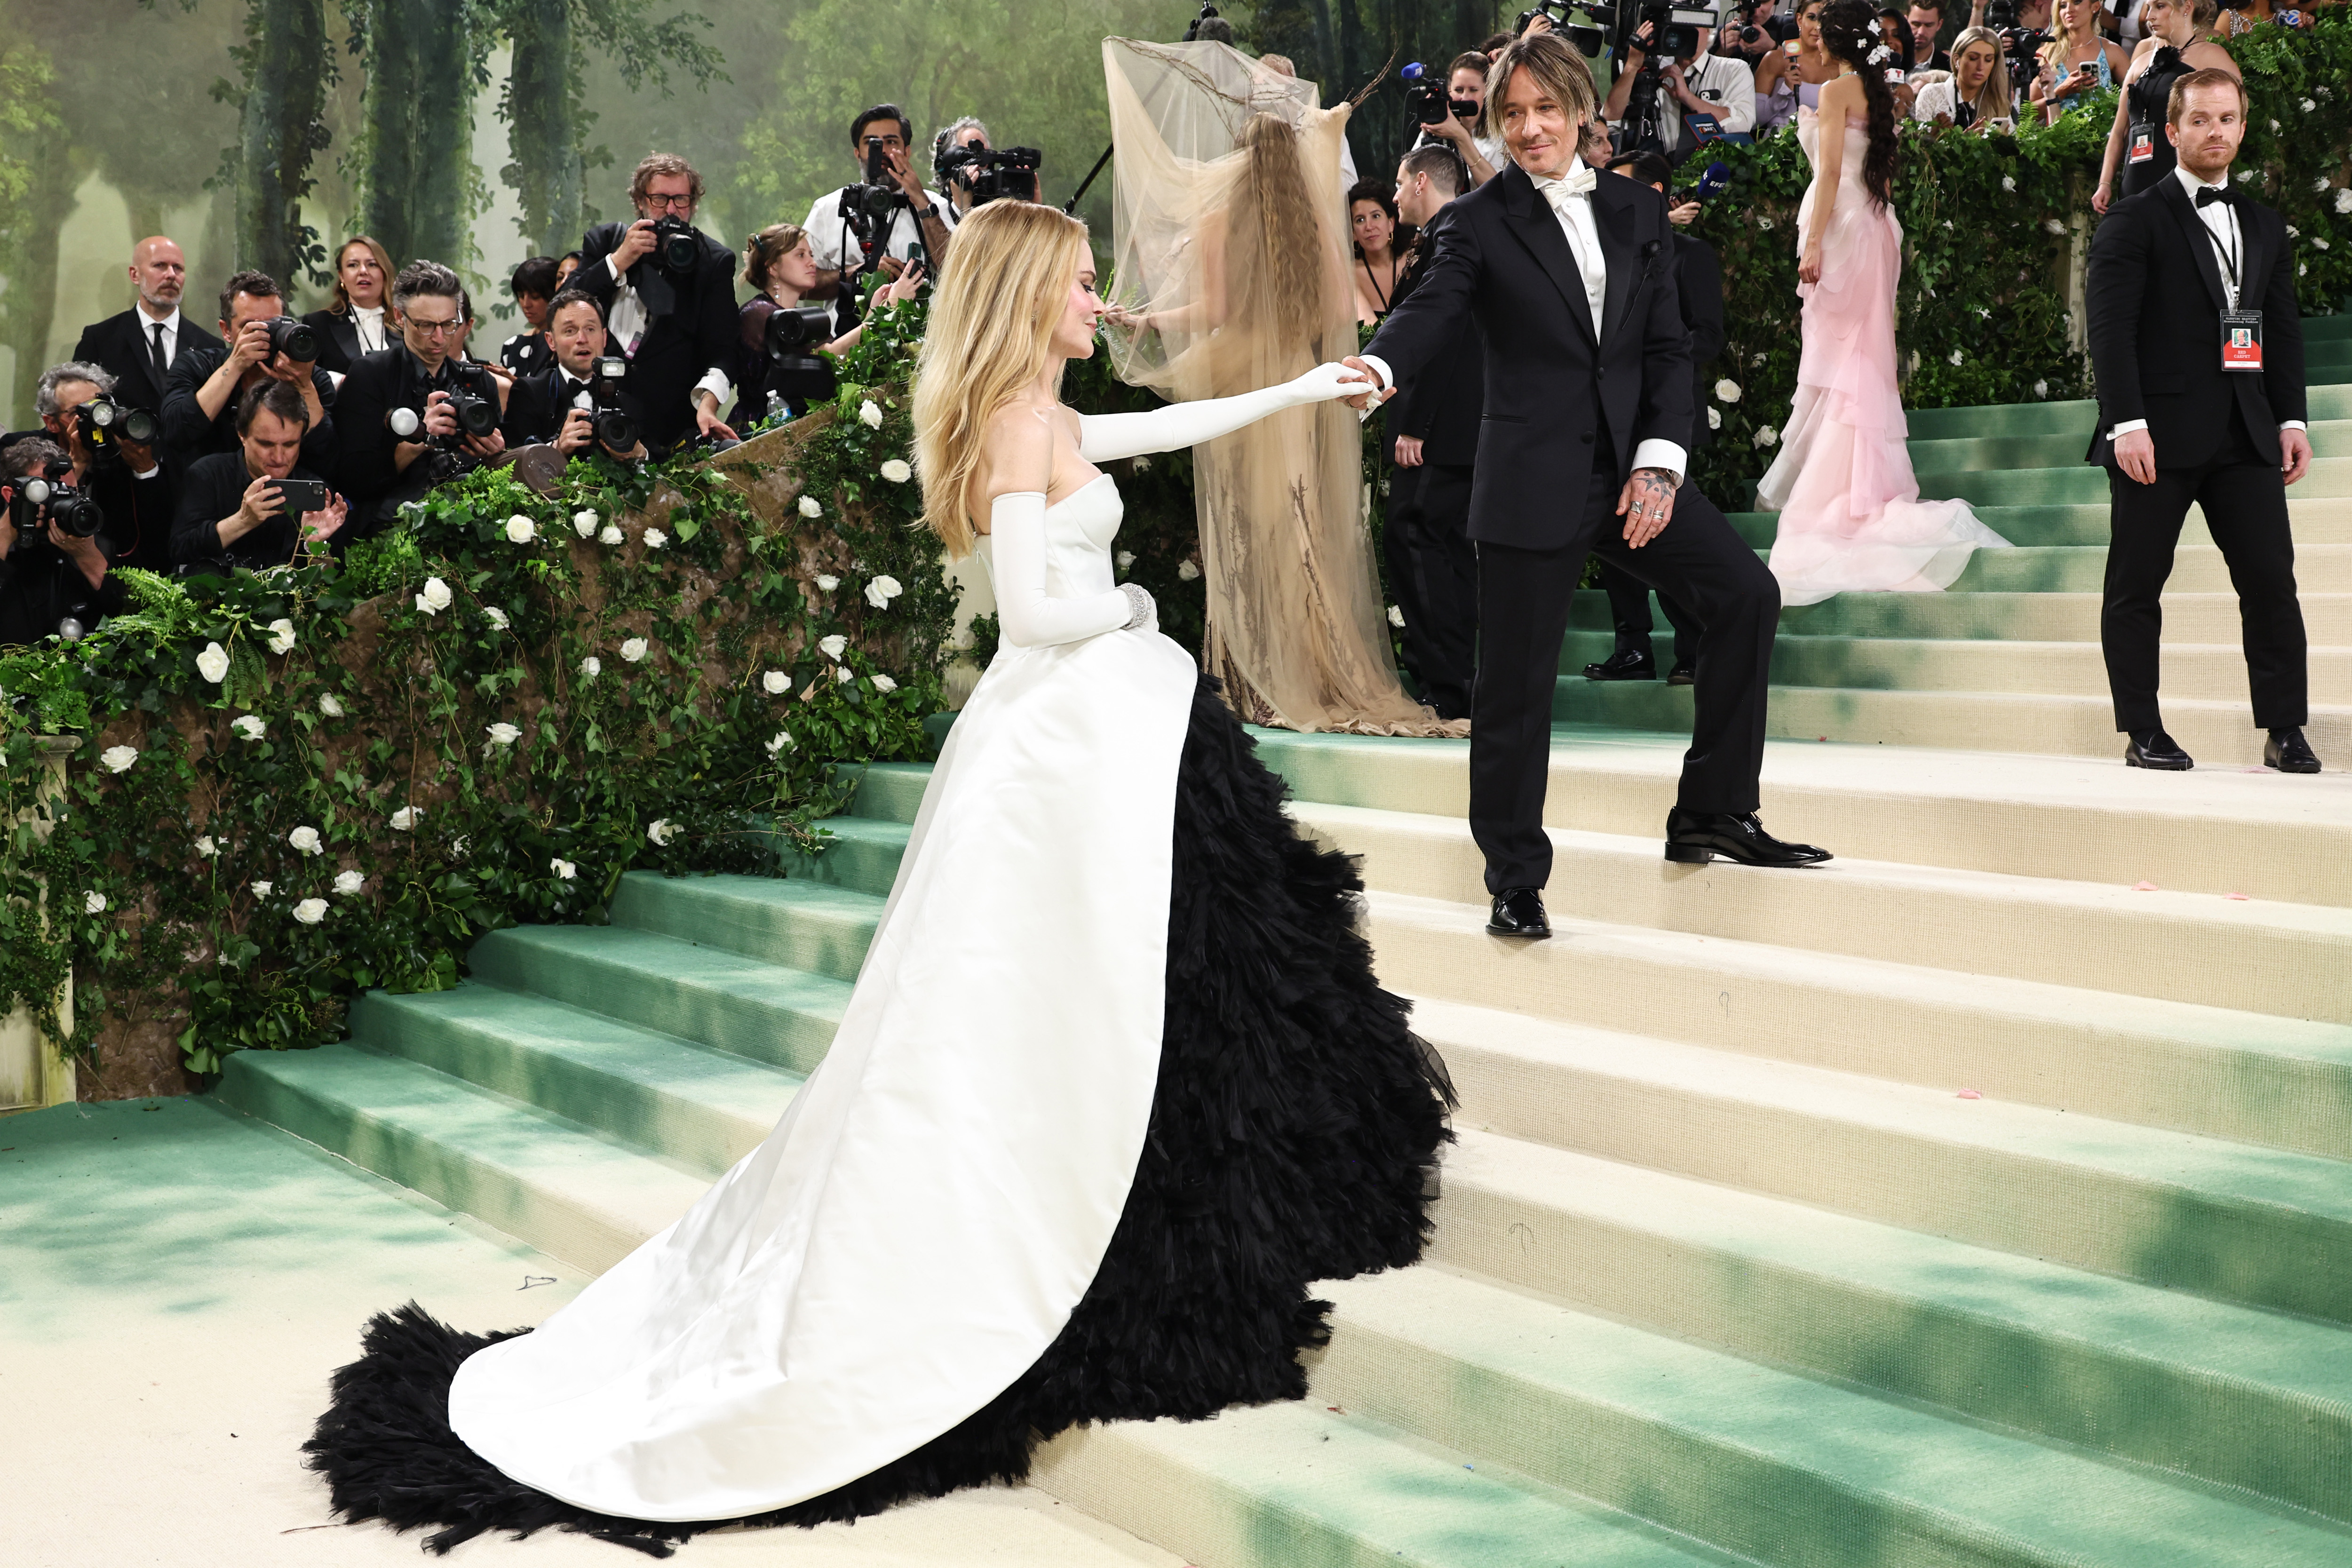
<point>1560,71</point>
<point>991,333</point>
<point>1846,35</point>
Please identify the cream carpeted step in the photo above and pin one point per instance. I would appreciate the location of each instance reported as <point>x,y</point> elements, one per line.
<point>2211,830</point>
<point>2226,1392</point>
<point>2189,619</point>
<point>2248,1077</point>
<point>2292,960</point>
<point>2083,569</point>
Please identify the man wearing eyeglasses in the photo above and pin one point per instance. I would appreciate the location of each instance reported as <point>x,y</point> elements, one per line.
<point>398,420</point>
<point>675,324</point>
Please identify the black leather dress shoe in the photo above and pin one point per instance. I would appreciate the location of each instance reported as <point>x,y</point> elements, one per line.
<point>1696,837</point>
<point>2289,752</point>
<point>1519,911</point>
<point>1625,664</point>
<point>1681,675</point>
<point>2155,749</point>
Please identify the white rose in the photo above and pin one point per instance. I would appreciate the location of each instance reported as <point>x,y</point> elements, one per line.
<point>1142,465</point>
<point>1125,559</point>
<point>590,667</point>
<point>1396,616</point>
<point>632,649</point>
<point>826,581</point>
<point>206,847</point>
<point>775,683</point>
<point>520,530</point>
<point>843,674</point>
<point>833,646</point>
<point>563,869</point>
<point>281,636</point>
<point>436,596</point>
<point>2040,389</point>
<point>495,617</point>
<point>310,911</point>
<point>93,903</point>
<point>2009,182</point>
<point>1726,391</point>
<point>2246,176</point>
<point>881,591</point>
<point>1763,223</point>
<point>212,663</point>
<point>1187,570</point>
<point>1714,418</point>
<point>869,414</point>
<point>262,890</point>
<point>2053,226</point>
<point>1767,436</point>
<point>2319,242</point>
<point>884,683</point>
<point>810,509</point>
<point>2344,200</point>
<point>330,705</point>
<point>1954,357</point>
<point>406,818</point>
<point>247,725</point>
<point>781,742</point>
<point>118,759</point>
<point>655,538</point>
<point>610,534</point>
<point>660,831</point>
<point>2309,106</point>
<point>305,840</point>
<point>348,882</point>
<point>584,522</point>
<point>896,471</point>
<point>503,734</point>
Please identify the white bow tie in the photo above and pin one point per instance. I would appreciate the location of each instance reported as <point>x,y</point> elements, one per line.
<point>1558,192</point>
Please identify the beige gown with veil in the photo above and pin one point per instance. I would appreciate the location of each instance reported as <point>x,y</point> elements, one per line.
<point>1297,629</point>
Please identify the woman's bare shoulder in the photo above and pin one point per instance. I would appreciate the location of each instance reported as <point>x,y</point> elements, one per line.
<point>1017,450</point>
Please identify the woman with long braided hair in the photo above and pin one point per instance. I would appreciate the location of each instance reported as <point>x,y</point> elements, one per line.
<point>1851,516</point>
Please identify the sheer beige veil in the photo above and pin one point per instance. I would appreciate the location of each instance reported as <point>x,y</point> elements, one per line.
<point>1230,272</point>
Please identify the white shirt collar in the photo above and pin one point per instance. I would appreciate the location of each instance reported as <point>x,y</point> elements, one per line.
<point>147,323</point>
<point>2192,184</point>
<point>368,313</point>
<point>1575,163</point>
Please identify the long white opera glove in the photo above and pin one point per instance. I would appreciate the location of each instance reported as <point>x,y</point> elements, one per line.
<point>1103,437</point>
<point>1028,616</point>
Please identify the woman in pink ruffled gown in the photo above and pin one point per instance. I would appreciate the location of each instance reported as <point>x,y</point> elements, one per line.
<point>1851,516</point>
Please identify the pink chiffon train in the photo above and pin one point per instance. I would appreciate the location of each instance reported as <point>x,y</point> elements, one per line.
<point>1851,516</point>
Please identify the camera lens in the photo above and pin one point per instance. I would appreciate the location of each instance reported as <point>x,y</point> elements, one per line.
<point>289,337</point>
<point>75,513</point>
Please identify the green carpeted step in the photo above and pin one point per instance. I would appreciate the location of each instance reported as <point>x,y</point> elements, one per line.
<point>2336,326</point>
<point>766,1013</point>
<point>701,1108</point>
<point>1934,460</point>
<point>892,792</point>
<point>1780,1468</point>
<point>2227,1393</point>
<point>2328,397</point>
<point>860,853</point>
<point>2327,359</point>
<point>584,1198</point>
<point>797,921</point>
<point>1295,1485</point>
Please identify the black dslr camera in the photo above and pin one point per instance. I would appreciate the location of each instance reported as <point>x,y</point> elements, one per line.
<point>290,338</point>
<point>1426,102</point>
<point>991,173</point>
<point>793,338</point>
<point>615,431</point>
<point>46,498</point>
<point>678,248</point>
<point>103,425</point>
<point>473,402</point>
<point>1584,40</point>
<point>879,193</point>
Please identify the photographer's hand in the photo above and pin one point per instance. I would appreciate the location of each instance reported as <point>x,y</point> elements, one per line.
<point>904,287</point>
<point>83,553</point>
<point>7,534</point>
<point>705,416</point>
<point>486,447</point>
<point>635,245</point>
<point>250,347</point>
<point>579,433</point>
<point>440,419</point>
<point>909,182</point>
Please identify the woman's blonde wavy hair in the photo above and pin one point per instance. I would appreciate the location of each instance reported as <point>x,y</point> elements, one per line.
<point>991,333</point>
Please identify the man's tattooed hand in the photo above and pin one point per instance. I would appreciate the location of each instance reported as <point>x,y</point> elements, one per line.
<point>1647,505</point>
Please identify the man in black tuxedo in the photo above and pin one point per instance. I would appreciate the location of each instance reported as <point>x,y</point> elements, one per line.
<point>1432,429</point>
<point>201,397</point>
<point>1570,283</point>
<point>2199,352</point>
<point>141,347</point>
<point>556,406</point>
<point>399,434</point>
<point>676,328</point>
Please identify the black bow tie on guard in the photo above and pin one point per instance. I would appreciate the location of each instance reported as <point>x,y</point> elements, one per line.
<point>2212,194</point>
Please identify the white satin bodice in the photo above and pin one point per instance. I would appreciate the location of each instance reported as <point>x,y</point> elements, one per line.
<point>1080,529</point>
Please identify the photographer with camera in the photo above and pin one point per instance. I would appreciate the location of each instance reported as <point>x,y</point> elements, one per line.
<point>415,414</point>
<point>777,368</point>
<point>55,576</point>
<point>880,222</point>
<point>1701,94</point>
<point>574,404</point>
<point>258,342</point>
<point>973,173</point>
<point>141,346</point>
<point>965,134</point>
<point>1457,114</point>
<point>669,294</point>
<point>252,509</point>
<point>111,452</point>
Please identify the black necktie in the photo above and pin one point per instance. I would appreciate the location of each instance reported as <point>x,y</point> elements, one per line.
<point>163,364</point>
<point>2212,194</point>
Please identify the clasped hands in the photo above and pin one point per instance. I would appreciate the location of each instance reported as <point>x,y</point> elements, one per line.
<point>2136,455</point>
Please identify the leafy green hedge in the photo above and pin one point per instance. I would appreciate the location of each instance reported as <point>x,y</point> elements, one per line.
<point>289,787</point>
<point>1987,224</point>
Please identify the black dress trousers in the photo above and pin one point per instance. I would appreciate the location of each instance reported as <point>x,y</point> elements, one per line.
<point>2244,502</point>
<point>1700,561</point>
<point>1434,569</point>
<point>1630,619</point>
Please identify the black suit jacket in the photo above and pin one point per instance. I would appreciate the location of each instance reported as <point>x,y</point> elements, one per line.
<point>1443,408</point>
<point>123,344</point>
<point>1698,279</point>
<point>538,405</point>
<point>1554,393</point>
<point>2155,298</point>
<point>339,340</point>
<point>365,469</point>
<point>188,434</point>
<point>690,329</point>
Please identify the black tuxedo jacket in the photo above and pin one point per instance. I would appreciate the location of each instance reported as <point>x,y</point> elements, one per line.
<point>339,339</point>
<point>2155,297</point>
<point>121,344</point>
<point>1443,408</point>
<point>1698,279</point>
<point>365,465</point>
<point>188,434</point>
<point>538,405</point>
<point>690,329</point>
<point>1554,393</point>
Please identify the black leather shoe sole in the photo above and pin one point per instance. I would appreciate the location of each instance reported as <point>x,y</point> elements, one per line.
<point>1684,853</point>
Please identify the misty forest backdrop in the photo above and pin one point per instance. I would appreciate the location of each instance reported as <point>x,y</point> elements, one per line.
<point>261,133</point>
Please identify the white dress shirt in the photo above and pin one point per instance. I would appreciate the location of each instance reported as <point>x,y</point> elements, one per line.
<point>1728,87</point>
<point>368,323</point>
<point>171,325</point>
<point>836,248</point>
<point>626,322</point>
<point>2221,220</point>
